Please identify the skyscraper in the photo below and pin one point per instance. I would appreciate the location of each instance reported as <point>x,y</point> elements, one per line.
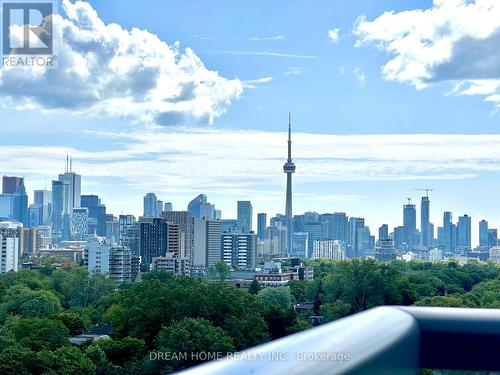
<point>355,225</point>
<point>74,182</point>
<point>10,184</point>
<point>153,240</point>
<point>79,223</point>
<point>340,227</point>
<point>424,222</point>
<point>464,232</point>
<point>483,233</point>
<point>97,214</point>
<point>410,224</point>
<point>159,207</point>
<point>150,205</point>
<point>194,206</point>
<point>289,169</point>
<point>261,226</point>
<point>492,237</point>
<point>186,227</point>
<point>168,207</point>
<point>59,191</point>
<point>245,215</point>
<point>20,204</point>
<point>448,231</point>
<point>398,237</point>
<point>43,198</point>
<point>383,232</point>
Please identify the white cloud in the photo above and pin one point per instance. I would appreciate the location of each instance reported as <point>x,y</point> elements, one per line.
<point>107,70</point>
<point>261,38</point>
<point>215,160</point>
<point>334,35</point>
<point>264,53</point>
<point>360,76</point>
<point>357,72</point>
<point>294,71</point>
<point>255,83</point>
<point>454,40</point>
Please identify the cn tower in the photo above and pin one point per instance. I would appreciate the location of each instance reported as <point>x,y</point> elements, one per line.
<point>289,168</point>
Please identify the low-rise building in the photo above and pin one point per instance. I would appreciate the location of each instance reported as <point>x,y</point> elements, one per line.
<point>172,263</point>
<point>274,279</point>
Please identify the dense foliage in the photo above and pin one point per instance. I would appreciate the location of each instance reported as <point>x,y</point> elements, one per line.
<point>163,314</point>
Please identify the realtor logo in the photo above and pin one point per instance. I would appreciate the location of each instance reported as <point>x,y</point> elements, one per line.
<point>27,28</point>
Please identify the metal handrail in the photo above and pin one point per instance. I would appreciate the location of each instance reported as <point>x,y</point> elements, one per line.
<point>383,340</point>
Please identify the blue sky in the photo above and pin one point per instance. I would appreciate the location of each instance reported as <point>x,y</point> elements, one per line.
<point>403,96</point>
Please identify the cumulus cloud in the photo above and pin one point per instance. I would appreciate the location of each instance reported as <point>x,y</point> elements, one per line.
<point>333,34</point>
<point>453,40</point>
<point>104,69</point>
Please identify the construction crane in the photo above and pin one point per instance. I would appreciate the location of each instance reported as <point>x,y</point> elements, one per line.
<point>426,191</point>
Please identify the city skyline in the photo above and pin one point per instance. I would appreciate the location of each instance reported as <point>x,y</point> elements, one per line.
<point>365,133</point>
<point>151,209</point>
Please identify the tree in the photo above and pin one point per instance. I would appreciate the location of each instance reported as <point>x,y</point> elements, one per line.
<point>297,288</point>
<point>300,325</point>
<point>79,288</point>
<point>16,360</point>
<point>334,310</point>
<point>66,360</point>
<point>220,271</point>
<point>96,355</point>
<point>275,297</point>
<point>73,322</point>
<point>122,351</point>
<point>20,300</point>
<point>277,310</point>
<point>160,275</point>
<point>442,301</point>
<point>37,334</point>
<point>254,287</point>
<point>193,336</point>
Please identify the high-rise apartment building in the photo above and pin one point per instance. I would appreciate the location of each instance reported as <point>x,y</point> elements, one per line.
<point>153,240</point>
<point>239,250</point>
<point>328,249</point>
<point>112,260</point>
<point>9,246</point>
<point>207,248</point>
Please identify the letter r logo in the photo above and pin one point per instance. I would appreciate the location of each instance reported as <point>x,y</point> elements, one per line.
<point>27,28</point>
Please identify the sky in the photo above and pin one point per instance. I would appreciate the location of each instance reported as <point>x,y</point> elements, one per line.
<point>187,97</point>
